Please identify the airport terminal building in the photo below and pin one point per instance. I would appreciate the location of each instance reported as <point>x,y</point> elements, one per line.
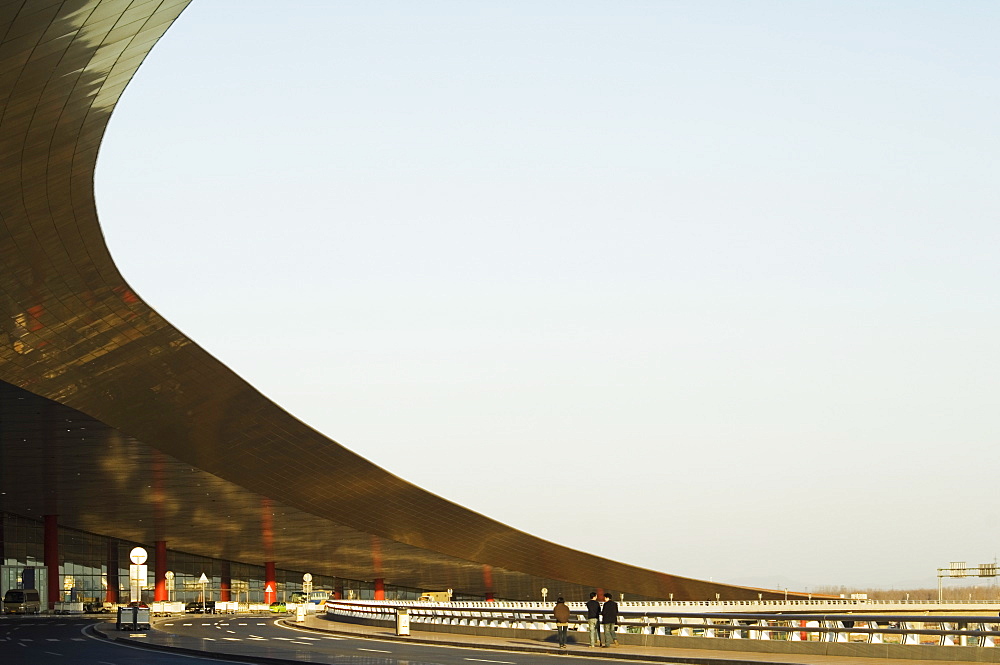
<point>116,430</point>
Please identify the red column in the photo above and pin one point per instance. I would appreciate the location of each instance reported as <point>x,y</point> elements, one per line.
<point>379,588</point>
<point>270,583</point>
<point>338,593</point>
<point>160,568</point>
<point>111,595</point>
<point>489,597</point>
<point>51,556</point>
<point>225,583</point>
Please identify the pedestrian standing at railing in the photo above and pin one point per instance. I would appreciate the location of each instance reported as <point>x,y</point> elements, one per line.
<point>561,612</point>
<point>593,617</point>
<point>609,620</point>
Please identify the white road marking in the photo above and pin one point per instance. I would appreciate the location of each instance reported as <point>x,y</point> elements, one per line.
<point>375,650</point>
<point>305,643</point>
<point>232,639</point>
<point>481,660</point>
<point>53,653</point>
<point>169,624</point>
<point>308,638</point>
<point>241,624</point>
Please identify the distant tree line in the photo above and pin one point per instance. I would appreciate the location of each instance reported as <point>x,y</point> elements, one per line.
<point>987,590</point>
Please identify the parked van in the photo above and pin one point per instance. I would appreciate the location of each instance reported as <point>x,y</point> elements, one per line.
<point>22,601</point>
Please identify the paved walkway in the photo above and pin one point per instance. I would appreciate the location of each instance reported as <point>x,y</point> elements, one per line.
<point>637,653</point>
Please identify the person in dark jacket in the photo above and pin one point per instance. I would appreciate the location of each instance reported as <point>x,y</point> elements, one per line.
<point>609,620</point>
<point>593,617</point>
<point>561,613</point>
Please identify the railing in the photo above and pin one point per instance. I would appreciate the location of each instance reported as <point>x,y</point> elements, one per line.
<point>641,619</point>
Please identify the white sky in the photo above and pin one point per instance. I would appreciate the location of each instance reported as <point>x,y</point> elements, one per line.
<point>706,287</point>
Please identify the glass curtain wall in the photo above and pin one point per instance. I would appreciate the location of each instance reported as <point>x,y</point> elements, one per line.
<point>89,564</point>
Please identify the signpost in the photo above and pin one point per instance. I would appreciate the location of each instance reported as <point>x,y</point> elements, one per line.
<point>960,569</point>
<point>169,577</point>
<point>137,573</point>
<point>203,580</point>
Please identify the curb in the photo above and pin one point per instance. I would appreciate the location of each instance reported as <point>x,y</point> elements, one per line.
<point>589,653</point>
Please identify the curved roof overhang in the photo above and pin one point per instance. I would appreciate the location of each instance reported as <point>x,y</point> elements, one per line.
<point>167,443</point>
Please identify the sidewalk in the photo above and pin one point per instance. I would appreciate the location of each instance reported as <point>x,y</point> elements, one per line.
<point>545,643</point>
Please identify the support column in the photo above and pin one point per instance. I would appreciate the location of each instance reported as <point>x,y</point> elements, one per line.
<point>225,583</point>
<point>160,568</point>
<point>270,583</point>
<point>51,556</point>
<point>111,593</point>
<point>379,588</point>
<point>490,598</point>
<point>338,592</point>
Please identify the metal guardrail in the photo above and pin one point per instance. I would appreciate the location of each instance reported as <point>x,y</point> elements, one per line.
<point>639,618</point>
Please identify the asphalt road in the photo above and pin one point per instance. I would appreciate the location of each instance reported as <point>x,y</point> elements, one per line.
<point>68,641</point>
<point>51,641</point>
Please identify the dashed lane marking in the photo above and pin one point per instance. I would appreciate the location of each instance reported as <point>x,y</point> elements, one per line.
<point>375,650</point>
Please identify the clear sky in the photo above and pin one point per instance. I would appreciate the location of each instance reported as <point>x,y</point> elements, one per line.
<point>706,287</point>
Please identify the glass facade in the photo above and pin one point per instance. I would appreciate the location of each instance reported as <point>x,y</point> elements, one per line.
<point>94,568</point>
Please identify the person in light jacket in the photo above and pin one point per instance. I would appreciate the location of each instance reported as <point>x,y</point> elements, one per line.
<point>561,613</point>
<point>609,619</point>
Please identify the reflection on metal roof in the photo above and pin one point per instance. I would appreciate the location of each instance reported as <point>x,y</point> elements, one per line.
<point>121,425</point>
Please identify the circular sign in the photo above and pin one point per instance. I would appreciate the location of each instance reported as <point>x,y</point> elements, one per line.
<point>169,574</point>
<point>307,577</point>
<point>138,555</point>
